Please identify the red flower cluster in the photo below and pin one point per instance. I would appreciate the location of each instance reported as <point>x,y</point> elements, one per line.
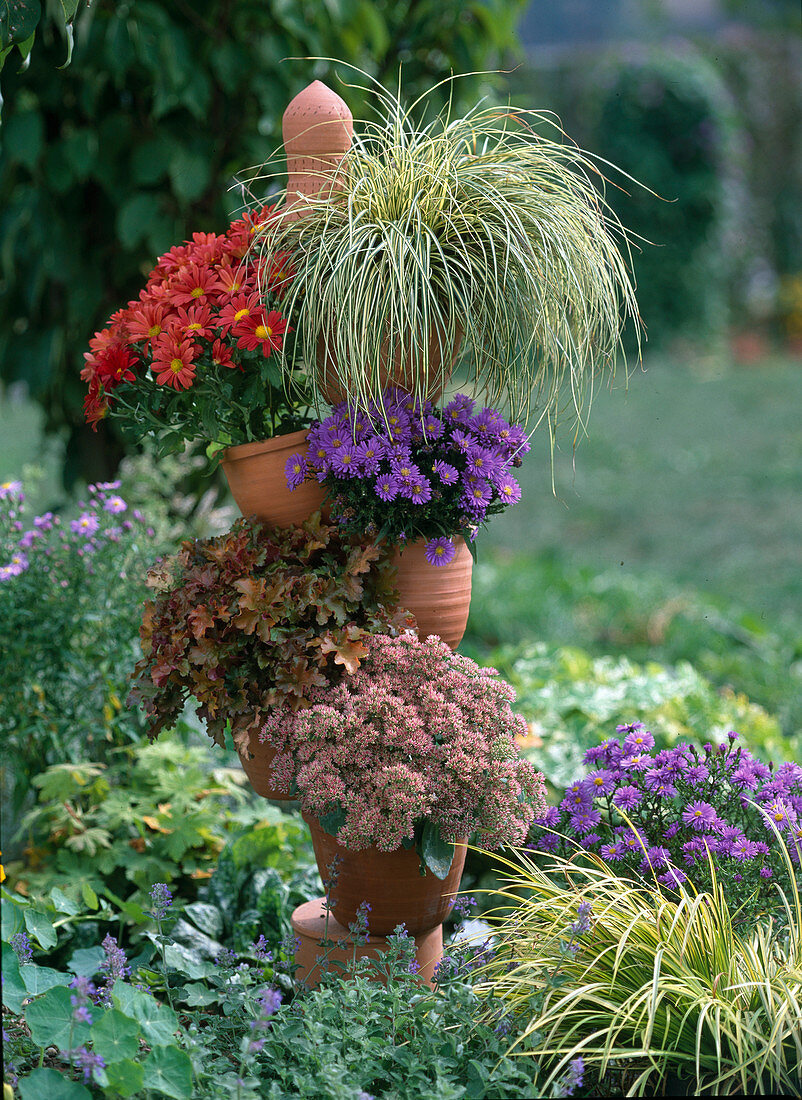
<point>200,307</point>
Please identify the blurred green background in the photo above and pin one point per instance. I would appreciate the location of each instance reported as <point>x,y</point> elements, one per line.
<point>673,530</point>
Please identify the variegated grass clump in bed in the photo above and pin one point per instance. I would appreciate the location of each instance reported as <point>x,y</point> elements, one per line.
<point>657,992</point>
<point>478,225</point>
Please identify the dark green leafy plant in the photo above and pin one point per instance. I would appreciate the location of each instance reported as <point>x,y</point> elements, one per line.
<point>257,617</point>
<point>159,812</point>
<point>108,163</point>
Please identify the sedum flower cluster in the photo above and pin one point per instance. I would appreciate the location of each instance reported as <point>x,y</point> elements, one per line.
<point>190,357</point>
<point>417,733</point>
<point>669,813</point>
<point>413,471</point>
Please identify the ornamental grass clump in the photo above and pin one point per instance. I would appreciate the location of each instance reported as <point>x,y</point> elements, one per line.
<point>478,226</point>
<point>679,814</point>
<point>417,736</point>
<point>654,994</point>
<point>414,471</point>
<point>194,356</point>
<point>258,617</point>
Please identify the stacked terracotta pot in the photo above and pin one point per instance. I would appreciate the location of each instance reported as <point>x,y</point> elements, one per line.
<point>317,129</point>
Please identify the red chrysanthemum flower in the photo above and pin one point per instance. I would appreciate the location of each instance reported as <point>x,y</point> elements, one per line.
<point>221,355</point>
<point>277,273</point>
<point>96,406</point>
<point>194,283</point>
<point>173,361</point>
<point>257,332</point>
<point>207,248</point>
<point>146,322</point>
<point>233,279</point>
<point>194,322</point>
<point>237,310</point>
<point>114,365</point>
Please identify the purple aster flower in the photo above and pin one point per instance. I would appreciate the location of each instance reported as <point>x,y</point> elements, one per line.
<point>600,782</point>
<point>696,774</point>
<point>432,428</point>
<point>548,820</point>
<point>638,740</point>
<point>778,814</point>
<point>508,489</point>
<point>576,797</point>
<point>657,856</point>
<point>629,727</point>
<point>440,551</point>
<point>627,797</point>
<point>115,504</point>
<point>743,849</point>
<point>461,441</point>
<point>86,524</point>
<point>295,470</point>
<point>700,816</point>
<point>418,490</point>
<point>637,762</point>
<point>44,522</point>
<point>513,439</point>
<point>459,410</point>
<point>449,475</point>
<point>482,462</point>
<point>765,872</point>
<point>585,820</point>
<point>18,564</point>
<point>612,852</point>
<point>744,778</point>
<point>9,489</point>
<point>672,877</point>
<point>28,539</point>
<point>343,462</point>
<point>590,839</point>
<point>369,454</point>
<point>548,842</point>
<point>477,497</point>
<point>104,486</point>
<point>161,899</point>
<point>386,487</point>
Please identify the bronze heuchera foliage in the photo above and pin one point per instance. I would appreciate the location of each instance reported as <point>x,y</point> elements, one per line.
<point>257,617</point>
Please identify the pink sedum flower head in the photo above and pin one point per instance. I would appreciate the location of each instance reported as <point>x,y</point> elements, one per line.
<point>416,733</point>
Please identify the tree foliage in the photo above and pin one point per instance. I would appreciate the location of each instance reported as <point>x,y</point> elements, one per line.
<point>107,163</point>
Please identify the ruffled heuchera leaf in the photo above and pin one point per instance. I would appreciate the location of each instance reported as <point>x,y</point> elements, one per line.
<point>256,617</point>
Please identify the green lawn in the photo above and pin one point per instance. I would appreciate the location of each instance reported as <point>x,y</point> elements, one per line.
<point>697,478</point>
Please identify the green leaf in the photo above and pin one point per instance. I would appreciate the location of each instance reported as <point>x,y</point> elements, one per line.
<point>48,1084</point>
<point>89,895</point>
<point>158,1022</point>
<point>18,20</point>
<point>189,174</point>
<point>69,8</point>
<point>38,979</point>
<point>333,821</point>
<point>437,853</point>
<point>169,1069</point>
<point>134,218</point>
<point>41,926</point>
<point>207,917</point>
<point>125,1077</point>
<point>24,137</point>
<point>14,989</point>
<point>51,1021</point>
<point>12,917</point>
<point>197,994</point>
<point>62,903</point>
<point>115,1036</point>
<point>85,962</point>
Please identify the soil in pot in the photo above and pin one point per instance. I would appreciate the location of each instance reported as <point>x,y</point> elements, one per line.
<point>258,483</point>
<point>390,882</point>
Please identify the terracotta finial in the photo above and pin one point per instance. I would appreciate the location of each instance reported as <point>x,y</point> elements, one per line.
<point>317,128</point>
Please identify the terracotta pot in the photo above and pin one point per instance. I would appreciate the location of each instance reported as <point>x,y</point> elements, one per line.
<point>439,596</point>
<point>395,375</point>
<point>310,928</point>
<point>390,881</point>
<point>255,474</point>
<point>257,766</point>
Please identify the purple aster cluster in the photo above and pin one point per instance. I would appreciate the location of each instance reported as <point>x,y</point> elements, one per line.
<point>413,471</point>
<point>49,548</point>
<point>667,814</point>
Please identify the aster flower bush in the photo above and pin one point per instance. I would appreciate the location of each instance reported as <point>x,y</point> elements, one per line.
<point>70,588</point>
<point>679,814</point>
<point>403,471</point>
<point>194,356</point>
<point>417,746</point>
<point>257,617</point>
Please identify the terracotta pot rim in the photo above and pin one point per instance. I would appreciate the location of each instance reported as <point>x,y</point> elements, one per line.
<point>264,446</point>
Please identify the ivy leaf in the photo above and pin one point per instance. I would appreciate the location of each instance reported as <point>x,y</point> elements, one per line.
<point>437,853</point>
<point>48,1084</point>
<point>169,1070</point>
